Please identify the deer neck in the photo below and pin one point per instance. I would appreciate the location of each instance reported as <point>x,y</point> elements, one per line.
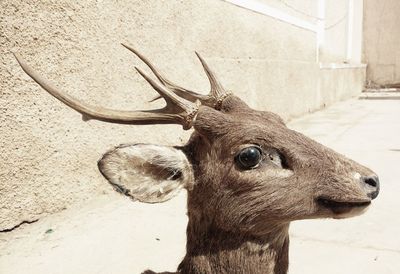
<point>215,251</point>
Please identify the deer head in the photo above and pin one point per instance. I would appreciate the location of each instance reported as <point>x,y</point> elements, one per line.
<point>246,173</point>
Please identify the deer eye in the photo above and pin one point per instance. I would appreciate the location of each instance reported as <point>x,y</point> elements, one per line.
<point>249,157</point>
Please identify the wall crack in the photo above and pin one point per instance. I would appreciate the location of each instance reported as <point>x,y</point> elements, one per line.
<point>18,225</point>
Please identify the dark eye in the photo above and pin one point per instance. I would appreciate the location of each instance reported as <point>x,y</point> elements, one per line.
<point>249,157</point>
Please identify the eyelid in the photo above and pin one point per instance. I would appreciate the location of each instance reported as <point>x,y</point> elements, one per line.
<point>259,148</point>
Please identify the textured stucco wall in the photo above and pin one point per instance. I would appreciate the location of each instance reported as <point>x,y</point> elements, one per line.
<point>48,154</point>
<point>381,41</point>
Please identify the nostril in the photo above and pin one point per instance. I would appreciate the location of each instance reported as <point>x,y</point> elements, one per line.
<point>372,181</point>
<point>371,184</point>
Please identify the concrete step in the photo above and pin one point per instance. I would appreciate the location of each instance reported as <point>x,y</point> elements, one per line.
<point>380,94</point>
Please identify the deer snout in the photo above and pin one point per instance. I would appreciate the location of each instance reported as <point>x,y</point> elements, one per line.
<point>371,185</point>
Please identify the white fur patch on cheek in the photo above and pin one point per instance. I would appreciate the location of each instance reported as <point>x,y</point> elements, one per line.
<point>357,176</point>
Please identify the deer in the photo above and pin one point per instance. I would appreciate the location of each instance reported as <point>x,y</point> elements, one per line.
<point>247,175</point>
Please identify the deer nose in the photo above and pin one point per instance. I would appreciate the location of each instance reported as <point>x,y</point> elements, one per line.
<point>371,184</point>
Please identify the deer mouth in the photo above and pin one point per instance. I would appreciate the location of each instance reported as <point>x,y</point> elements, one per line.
<point>339,207</point>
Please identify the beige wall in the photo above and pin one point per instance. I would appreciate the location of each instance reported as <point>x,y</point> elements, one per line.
<point>382,41</point>
<point>335,46</point>
<point>48,154</point>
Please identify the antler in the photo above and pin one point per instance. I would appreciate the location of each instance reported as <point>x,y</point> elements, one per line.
<point>215,97</point>
<point>182,92</point>
<point>177,111</point>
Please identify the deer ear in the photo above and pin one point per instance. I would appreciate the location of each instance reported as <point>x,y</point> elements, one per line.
<point>148,173</point>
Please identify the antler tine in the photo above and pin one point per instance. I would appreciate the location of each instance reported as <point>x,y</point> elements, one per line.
<point>171,98</point>
<point>177,110</point>
<point>217,92</point>
<point>180,91</point>
<point>213,99</point>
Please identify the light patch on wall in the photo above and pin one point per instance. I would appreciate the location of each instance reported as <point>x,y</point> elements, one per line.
<point>261,8</point>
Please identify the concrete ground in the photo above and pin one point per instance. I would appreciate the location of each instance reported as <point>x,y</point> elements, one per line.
<point>367,131</point>
<point>111,234</point>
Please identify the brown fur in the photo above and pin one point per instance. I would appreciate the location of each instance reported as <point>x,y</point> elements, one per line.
<point>238,220</point>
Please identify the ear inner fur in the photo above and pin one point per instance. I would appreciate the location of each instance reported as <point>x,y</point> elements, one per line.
<point>147,173</point>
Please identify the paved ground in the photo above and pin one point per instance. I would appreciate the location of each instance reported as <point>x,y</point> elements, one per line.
<point>367,131</point>
<point>111,234</point>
